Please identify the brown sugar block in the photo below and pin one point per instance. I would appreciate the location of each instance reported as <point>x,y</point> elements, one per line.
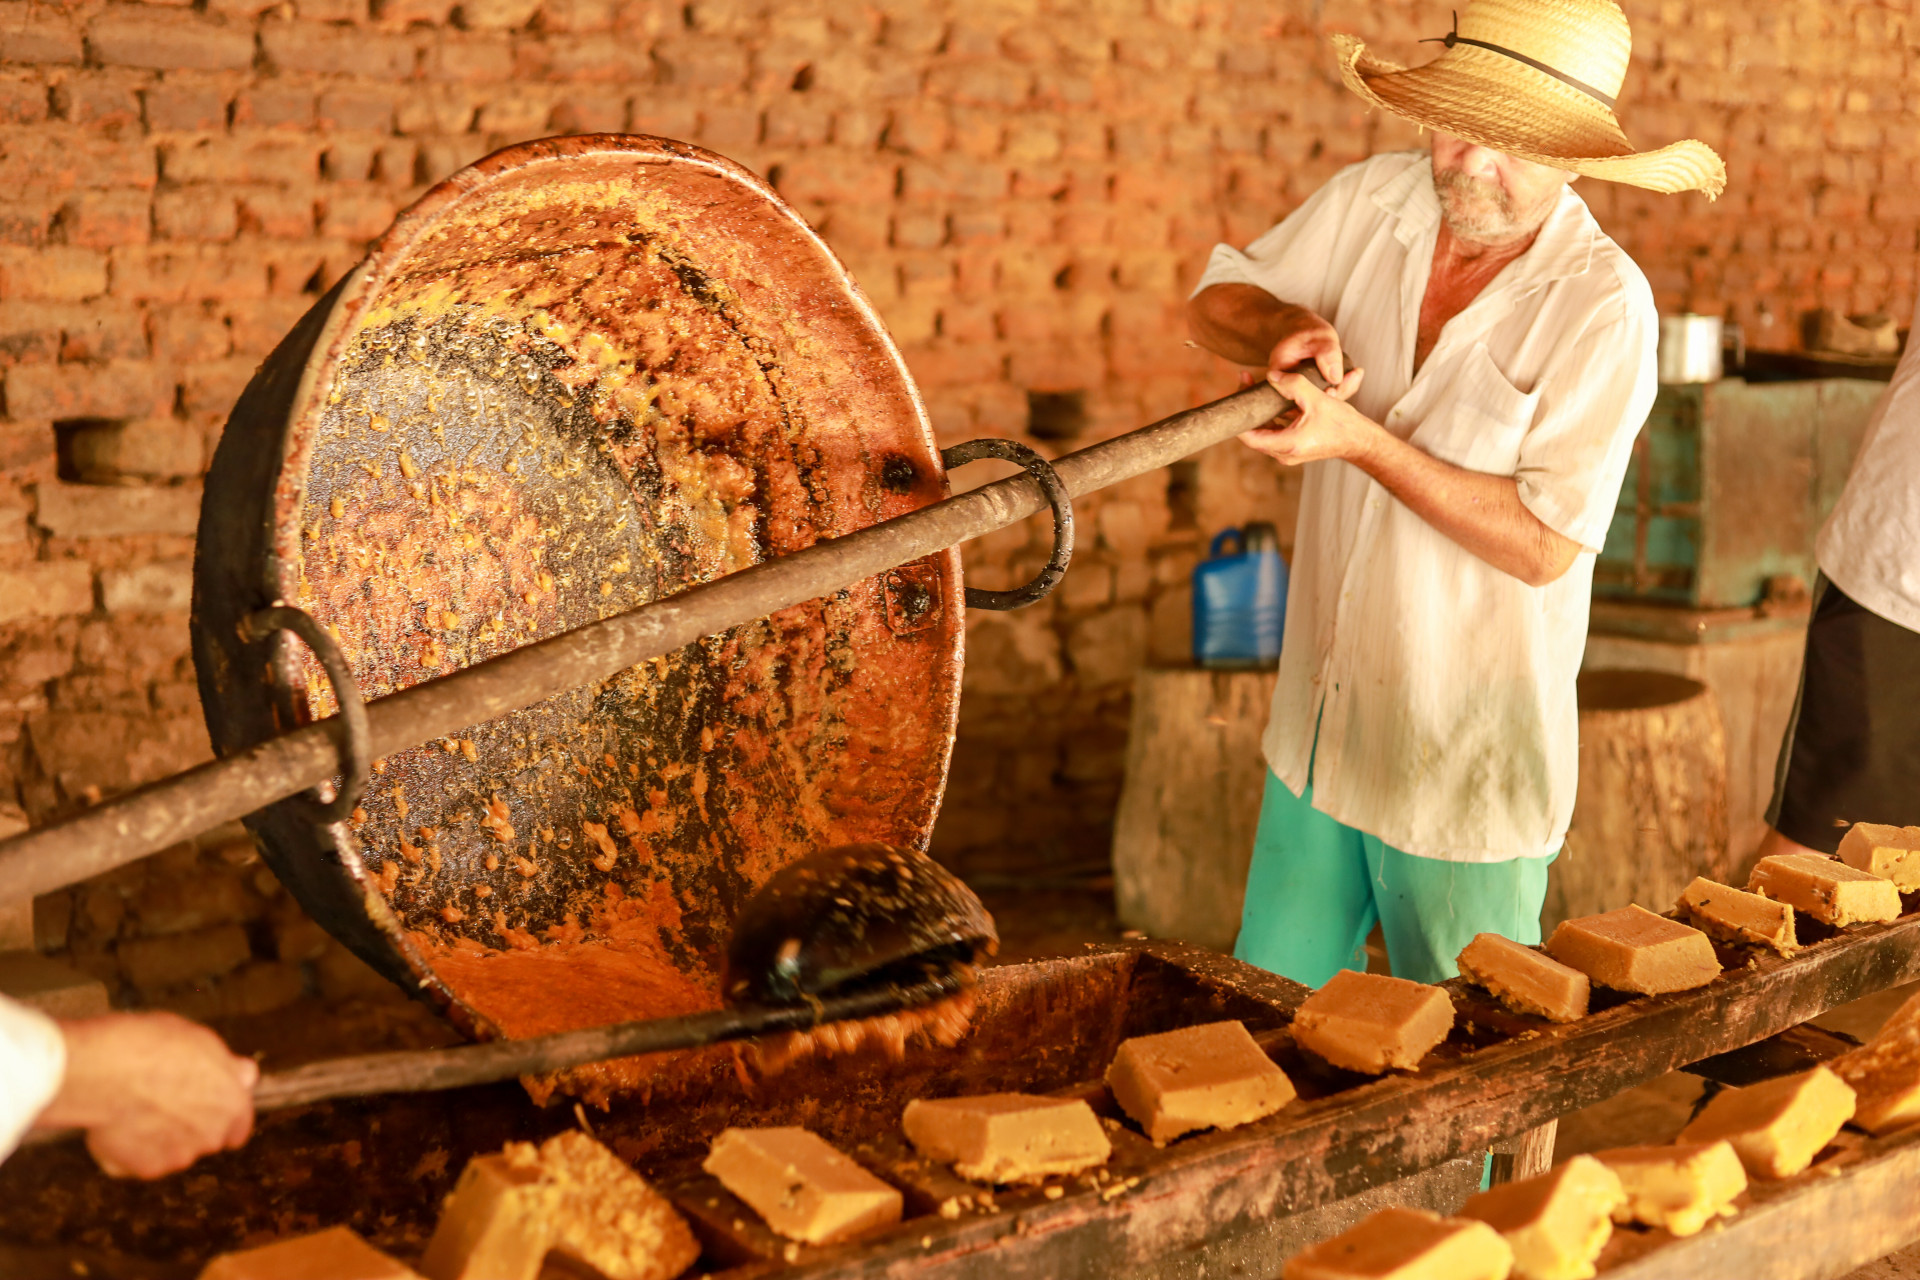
<point>1680,1187</point>
<point>804,1188</point>
<point>1406,1244</point>
<point>609,1218</point>
<point>334,1254</point>
<point>1734,915</point>
<point>569,1196</point>
<point>1884,1074</point>
<point>1777,1126</point>
<point>494,1226</point>
<point>1212,1076</point>
<point>1524,980</point>
<point>1008,1137</point>
<point>1372,1023</point>
<point>1892,853</point>
<point>1633,949</point>
<point>1829,891</point>
<point>1556,1223</point>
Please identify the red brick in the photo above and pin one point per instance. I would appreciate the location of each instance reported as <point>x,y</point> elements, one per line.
<point>516,113</point>
<point>282,215</point>
<point>119,452</point>
<point>66,158</point>
<point>24,98</point>
<point>195,213</point>
<point>364,108</point>
<point>442,157</point>
<point>109,99</point>
<point>190,331</point>
<point>405,13</point>
<point>479,58</point>
<point>176,105</point>
<point>134,36</point>
<point>26,452</point>
<point>274,105</point>
<point>48,331</point>
<point>496,15</point>
<point>837,176</point>
<point>99,330</point>
<point>164,586</point>
<point>279,158</point>
<point>103,219</point>
<point>665,115</point>
<point>953,177</point>
<point>180,272</point>
<point>173,959</point>
<point>27,221</point>
<point>694,62</point>
<point>349,159</point>
<point>37,33</point>
<point>986,83</point>
<point>259,325</point>
<point>587,111</point>
<point>121,389</point>
<point>57,274</point>
<point>329,10</point>
<point>210,389</point>
<point>568,59</point>
<point>47,589</point>
<point>331,50</point>
<point>396,163</point>
<point>579,15</point>
<point>115,511</point>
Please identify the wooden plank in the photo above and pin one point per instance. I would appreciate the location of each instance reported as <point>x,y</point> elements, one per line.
<point>1501,1077</point>
<point>1843,1213</point>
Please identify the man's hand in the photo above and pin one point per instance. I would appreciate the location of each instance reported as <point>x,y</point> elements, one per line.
<point>1320,425</point>
<point>153,1091</point>
<point>1300,337</point>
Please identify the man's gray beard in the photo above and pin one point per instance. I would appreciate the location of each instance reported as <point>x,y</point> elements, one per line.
<point>1479,210</point>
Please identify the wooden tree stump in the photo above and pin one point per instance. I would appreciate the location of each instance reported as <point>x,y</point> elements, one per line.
<point>1651,813</point>
<point>1183,835</point>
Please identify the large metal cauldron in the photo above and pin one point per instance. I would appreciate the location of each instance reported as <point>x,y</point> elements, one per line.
<point>579,376</point>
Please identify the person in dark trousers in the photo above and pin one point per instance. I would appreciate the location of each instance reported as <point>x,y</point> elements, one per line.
<point>1852,750</point>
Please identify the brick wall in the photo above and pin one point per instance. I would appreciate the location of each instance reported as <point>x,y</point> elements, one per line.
<point>1025,187</point>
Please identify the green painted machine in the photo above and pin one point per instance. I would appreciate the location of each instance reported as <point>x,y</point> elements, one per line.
<point>1729,483</point>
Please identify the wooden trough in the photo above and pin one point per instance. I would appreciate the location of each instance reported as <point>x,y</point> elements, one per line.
<point>382,1165</point>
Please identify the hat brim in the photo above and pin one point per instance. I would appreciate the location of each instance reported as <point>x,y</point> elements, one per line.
<point>1472,95</point>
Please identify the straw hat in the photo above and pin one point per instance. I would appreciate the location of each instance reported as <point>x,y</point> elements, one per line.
<point>1536,79</point>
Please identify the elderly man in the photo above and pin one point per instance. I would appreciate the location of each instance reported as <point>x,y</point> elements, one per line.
<point>1488,355</point>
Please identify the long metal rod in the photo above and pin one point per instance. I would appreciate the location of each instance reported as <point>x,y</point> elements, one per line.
<point>430,1070</point>
<point>165,812</point>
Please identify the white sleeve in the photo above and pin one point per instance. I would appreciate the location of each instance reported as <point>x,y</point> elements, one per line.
<point>1592,407</point>
<point>1294,260</point>
<point>33,1059</point>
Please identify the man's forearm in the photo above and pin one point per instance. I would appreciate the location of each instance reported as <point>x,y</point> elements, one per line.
<point>1238,321</point>
<point>1480,512</point>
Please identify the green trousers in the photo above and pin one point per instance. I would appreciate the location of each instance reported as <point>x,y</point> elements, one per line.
<point>1317,887</point>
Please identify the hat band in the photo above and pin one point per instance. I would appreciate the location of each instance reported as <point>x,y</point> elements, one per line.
<point>1454,37</point>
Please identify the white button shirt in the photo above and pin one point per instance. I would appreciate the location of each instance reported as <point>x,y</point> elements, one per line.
<point>1870,545</point>
<point>33,1060</point>
<point>1430,695</point>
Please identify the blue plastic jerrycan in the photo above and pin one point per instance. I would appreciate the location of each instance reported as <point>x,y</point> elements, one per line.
<point>1240,599</point>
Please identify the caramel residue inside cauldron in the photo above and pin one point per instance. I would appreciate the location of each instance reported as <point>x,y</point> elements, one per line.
<point>944,1023</point>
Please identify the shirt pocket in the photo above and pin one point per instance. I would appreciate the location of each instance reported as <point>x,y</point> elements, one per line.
<point>1481,419</point>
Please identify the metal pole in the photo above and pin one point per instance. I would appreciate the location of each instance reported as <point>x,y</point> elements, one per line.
<point>144,821</point>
